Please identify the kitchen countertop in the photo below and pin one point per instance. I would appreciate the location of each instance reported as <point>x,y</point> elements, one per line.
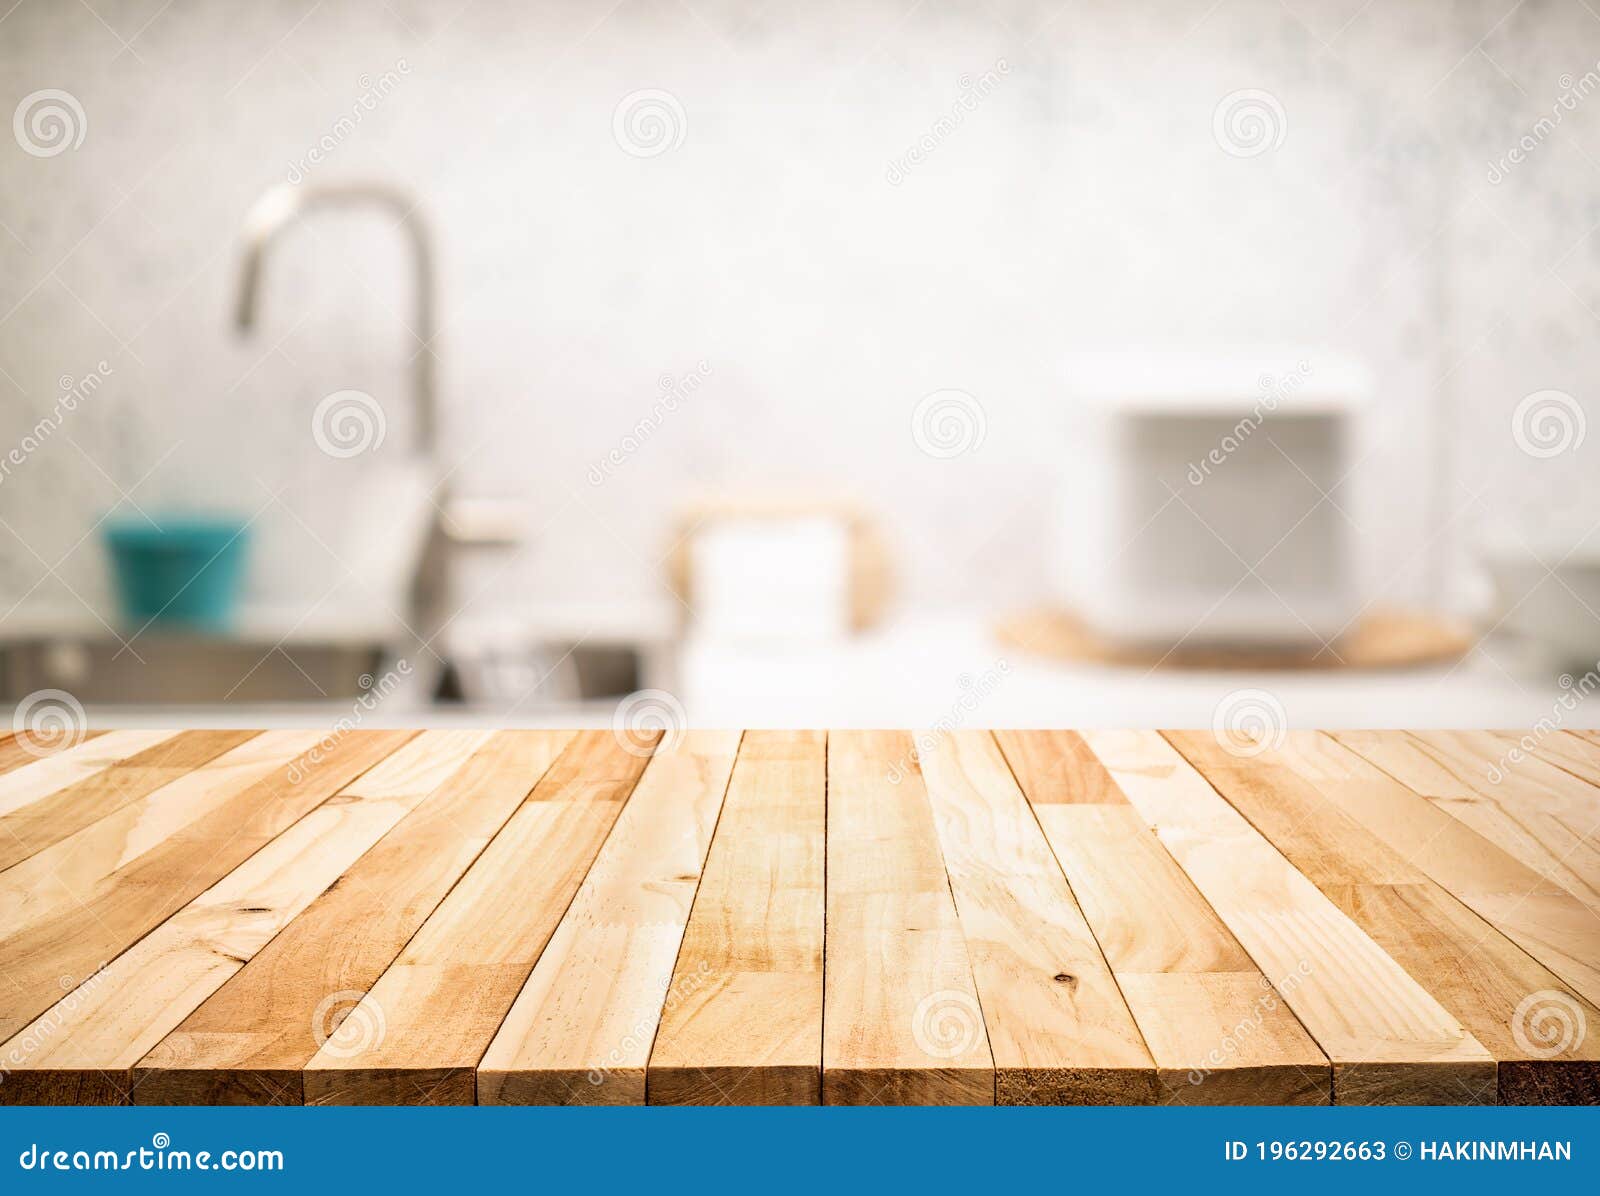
<point>616,917</point>
<point>949,670</point>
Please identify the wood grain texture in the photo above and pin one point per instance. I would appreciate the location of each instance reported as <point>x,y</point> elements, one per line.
<point>1389,1040</point>
<point>435,1009</point>
<point>1057,768</point>
<point>1217,1029</point>
<point>1538,914</point>
<point>1552,810</point>
<point>746,1025</point>
<point>581,1029</point>
<point>16,751</point>
<point>1474,971</point>
<point>53,817</point>
<point>903,1023</point>
<point>57,877</point>
<point>89,1041</point>
<point>1569,750</point>
<point>1542,815</point>
<point>554,916</point>
<point>250,1041</point>
<point>1057,1024</point>
<point>147,882</point>
<point>38,776</point>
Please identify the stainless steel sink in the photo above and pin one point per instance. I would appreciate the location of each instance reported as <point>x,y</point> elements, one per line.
<point>174,668</point>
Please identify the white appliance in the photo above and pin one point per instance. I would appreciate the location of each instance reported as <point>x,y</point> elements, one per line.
<point>1204,494</point>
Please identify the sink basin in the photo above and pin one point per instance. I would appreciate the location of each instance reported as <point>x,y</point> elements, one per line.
<point>347,543</point>
<point>254,664</point>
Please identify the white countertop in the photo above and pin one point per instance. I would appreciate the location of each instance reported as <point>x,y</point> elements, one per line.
<point>949,671</point>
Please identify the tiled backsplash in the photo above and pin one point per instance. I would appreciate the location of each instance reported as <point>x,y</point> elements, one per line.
<point>838,209</point>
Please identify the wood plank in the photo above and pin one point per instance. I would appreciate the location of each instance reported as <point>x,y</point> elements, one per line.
<point>1057,768</point>
<point>1543,816</point>
<point>16,751</point>
<point>1540,916</point>
<point>250,1041</point>
<point>41,776</point>
<point>83,1049</point>
<point>240,925</point>
<point>903,1025</point>
<point>580,1031</point>
<point>1382,638</point>
<point>108,915</point>
<point>434,1010</point>
<point>1565,749</point>
<point>1554,808</point>
<point>747,1025</point>
<point>1474,971</point>
<point>53,879</point>
<point>54,817</point>
<point>1216,1027</point>
<point>1389,1040</point>
<point>1058,1026</point>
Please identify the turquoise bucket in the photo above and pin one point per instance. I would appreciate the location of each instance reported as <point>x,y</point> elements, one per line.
<point>187,572</point>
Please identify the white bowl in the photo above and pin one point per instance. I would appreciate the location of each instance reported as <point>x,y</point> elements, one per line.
<point>1557,613</point>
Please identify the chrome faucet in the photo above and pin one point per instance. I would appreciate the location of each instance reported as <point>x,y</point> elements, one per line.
<point>455,525</point>
<point>283,204</point>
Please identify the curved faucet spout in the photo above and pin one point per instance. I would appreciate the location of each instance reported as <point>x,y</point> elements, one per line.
<point>284,204</point>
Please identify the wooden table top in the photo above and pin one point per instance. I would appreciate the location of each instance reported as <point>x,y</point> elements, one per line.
<point>403,917</point>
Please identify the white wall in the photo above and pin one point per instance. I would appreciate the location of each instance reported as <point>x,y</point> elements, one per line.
<point>1084,199</point>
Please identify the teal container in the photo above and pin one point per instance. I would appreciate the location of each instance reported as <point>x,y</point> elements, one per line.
<point>186,573</point>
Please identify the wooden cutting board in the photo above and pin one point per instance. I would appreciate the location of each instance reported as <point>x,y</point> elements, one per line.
<point>1011,917</point>
<point>1381,639</point>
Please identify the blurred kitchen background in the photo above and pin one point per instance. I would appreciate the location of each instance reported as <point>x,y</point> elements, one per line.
<point>1000,362</point>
